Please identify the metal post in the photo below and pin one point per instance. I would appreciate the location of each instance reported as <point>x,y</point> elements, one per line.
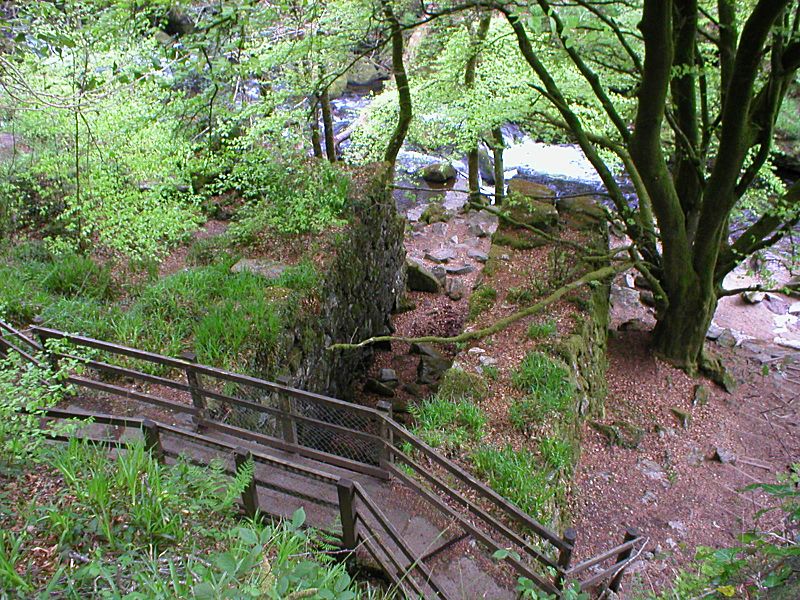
<point>152,439</point>
<point>565,556</point>
<point>347,492</point>
<point>385,454</point>
<point>195,390</point>
<point>630,535</point>
<point>250,494</point>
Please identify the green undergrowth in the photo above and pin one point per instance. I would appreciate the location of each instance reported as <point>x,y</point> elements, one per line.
<point>126,525</point>
<point>548,391</point>
<point>225,318</point>
<point>481,301</point>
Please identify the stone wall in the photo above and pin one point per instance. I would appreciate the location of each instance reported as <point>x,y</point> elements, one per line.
<point>361,281</point>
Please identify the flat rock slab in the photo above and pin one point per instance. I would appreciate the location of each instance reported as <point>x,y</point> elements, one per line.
<point>459,269</point>
<point>442,255</point>
<point>268,269</point>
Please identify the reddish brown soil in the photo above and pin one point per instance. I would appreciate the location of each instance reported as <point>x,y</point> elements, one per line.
<point>696,500</point>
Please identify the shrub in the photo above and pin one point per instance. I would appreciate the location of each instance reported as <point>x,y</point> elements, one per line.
<point>519,296</point>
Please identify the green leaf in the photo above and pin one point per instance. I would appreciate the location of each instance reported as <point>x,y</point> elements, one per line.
<point>298,518</point>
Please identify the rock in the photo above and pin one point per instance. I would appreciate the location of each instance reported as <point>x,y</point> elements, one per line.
<point>726,339</point>
<point>649,497</point>
<point>439,272</point>
<point>425,350</point>
<point>726,457</point>
<point>581,210</point>
<point>713,332</point>
<point>647,298</point>
<point>794,309</point>
<point>753,297</point>
<point>652,470</point>
<point>434,213</point>
<point>476,350</point>
<point>678,526</point>
<point>482,257</point>
<point>482,223</point>
<point>430,370</point>
<point>684,418</point>
<point>487,361</point>
<point>442,255</point>
<point>439,229</point>
<point>440,172</point>
<point>784,320</point>
<point>413,390</point>
<point>419,279</point>
<point>373,386</point>
<point>634,325</point>
<point>640,281</point>
<point>530,189</point>
<point>454,240</point>
<point>695,457</point>
<point>535,213</point>
<point>459,269</point>
<point>456,289</point>
<point>387,376</point>
<point>787,343</point>
<point>366,72</point>
<point>485,165</point>
<point>268,269</point>
<point>623,297</point>
<point>777,305</point>
<point>701,395</point>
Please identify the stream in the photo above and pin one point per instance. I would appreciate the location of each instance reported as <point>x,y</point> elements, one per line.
<point>562,167</point>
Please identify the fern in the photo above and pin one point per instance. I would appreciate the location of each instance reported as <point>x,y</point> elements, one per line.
<point>244,475</point>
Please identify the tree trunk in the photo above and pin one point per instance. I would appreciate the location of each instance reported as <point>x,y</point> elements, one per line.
<point>680,332</point>
<point>327,121</point>
<point>498,145</point>
<point>473,158</point>
<point>316,141</point>
<point>403,87</point>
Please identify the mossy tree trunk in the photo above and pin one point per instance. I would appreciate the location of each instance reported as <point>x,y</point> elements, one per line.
<point>470,72</point>
<point>327,122</point>
<point>686,190</point>
<point>403,87</point>
<point>498,145</point>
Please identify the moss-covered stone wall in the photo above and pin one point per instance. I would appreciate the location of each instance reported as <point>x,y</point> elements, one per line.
<point>360,282</point>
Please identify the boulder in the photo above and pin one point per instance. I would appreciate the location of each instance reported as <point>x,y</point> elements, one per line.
<point>373,386</point>
<point>430,370</point>
<point>387,376</point>
<point>535,213</point>
<point>440,172</point>
<point>434,213</point>
<point>366,72</point>
<point>456,289</point>
<point>529,189</point>
<point>485,165</point>
<point>581,211</point>
<point>419,279</point>
<point>268,269</point>
<point>425,350</point>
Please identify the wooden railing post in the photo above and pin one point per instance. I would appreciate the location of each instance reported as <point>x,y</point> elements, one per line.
<point>152,439</point>
<point>52,359</point>
<point>630,535</point>
<point>385,455</point>
<point>347,511</point>
<point>250,494</point>
<point>565,556</point>
<point>198,400</point>
<point>286,406</point>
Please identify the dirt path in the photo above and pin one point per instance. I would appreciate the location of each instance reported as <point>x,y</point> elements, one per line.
<point>671,487</point>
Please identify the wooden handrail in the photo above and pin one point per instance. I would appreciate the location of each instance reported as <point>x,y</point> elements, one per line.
<point>387,445</point>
